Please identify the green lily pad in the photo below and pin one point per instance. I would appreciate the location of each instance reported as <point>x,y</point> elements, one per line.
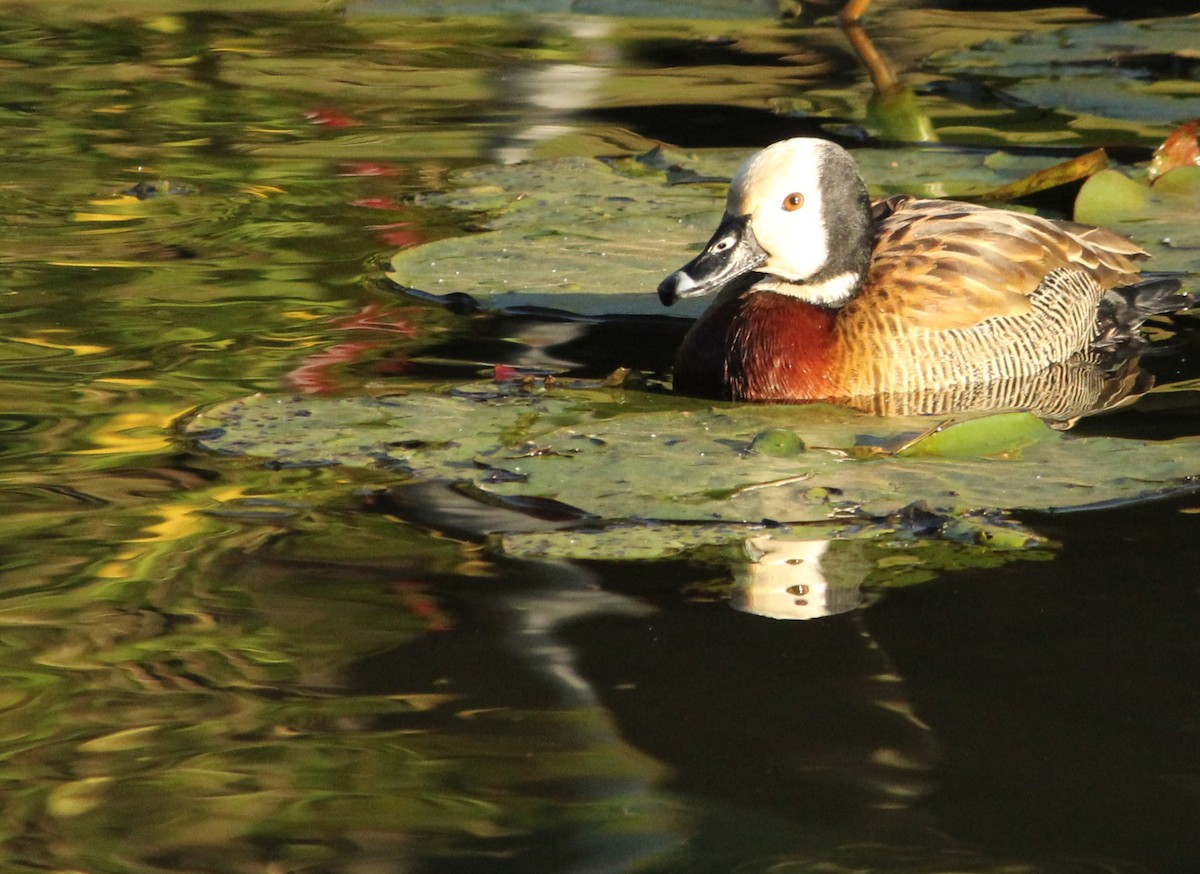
<point>572,234</point>
<point>1098,69</point>
<point>1110,197</point>
<point>990,436</point>
<point>1165,215</point>
<point>672,460</point>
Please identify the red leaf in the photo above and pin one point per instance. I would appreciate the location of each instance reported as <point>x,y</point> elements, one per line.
<point>315,375</point>
<point>374,317</point>
<point>416,598</point>
<point>401,234</point>
<point>1178,150</point>
<point>329,118</point>
<point>368,168</point>
<point>376,203</point>
<point>393,366</point>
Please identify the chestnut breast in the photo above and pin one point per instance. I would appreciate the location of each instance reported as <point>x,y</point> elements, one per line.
<point>760,346</point>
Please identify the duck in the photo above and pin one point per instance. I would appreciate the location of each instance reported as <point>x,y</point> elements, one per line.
<point>822,294</point>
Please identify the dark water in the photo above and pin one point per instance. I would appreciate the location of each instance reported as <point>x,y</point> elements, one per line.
<point>208,665</point>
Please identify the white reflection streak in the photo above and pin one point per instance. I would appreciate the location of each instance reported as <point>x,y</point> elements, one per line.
<point>785,580</point>
<point>543,97</point>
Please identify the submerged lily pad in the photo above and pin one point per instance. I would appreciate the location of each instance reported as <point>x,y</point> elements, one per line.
<point>672,460</point>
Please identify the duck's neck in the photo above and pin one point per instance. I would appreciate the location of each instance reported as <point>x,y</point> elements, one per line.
<point>760,346</point>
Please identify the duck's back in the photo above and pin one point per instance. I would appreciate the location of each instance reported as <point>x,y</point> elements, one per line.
<point>958,293</point>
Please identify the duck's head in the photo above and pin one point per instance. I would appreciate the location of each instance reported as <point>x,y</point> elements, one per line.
<point>797,222</point>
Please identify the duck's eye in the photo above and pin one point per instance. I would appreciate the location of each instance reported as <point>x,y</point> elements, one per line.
<point>793,201</point>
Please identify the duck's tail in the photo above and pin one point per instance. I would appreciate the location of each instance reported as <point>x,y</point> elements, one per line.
<point>1123,311</point>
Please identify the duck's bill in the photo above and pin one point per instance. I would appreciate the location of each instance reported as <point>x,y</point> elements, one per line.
<point>732,252</point>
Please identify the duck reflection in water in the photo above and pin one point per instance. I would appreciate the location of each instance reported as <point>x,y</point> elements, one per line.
<point>908,305</point>
<point>539,100</point>
<point>787,579</point>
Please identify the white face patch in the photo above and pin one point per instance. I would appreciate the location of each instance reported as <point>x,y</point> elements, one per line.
<point>796,241</point>
<point>832,292</point>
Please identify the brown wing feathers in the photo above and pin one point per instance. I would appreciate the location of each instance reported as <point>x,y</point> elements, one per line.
<point>946,264</point>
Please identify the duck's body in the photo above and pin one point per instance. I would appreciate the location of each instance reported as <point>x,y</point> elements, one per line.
<point>825,296</point>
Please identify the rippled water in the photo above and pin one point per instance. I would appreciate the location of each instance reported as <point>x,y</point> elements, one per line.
<point>208,665</point>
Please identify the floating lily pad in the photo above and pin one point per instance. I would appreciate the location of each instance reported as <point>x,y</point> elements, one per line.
<point>1100,68</point>
<point>1004,434</point>
<point>1165,217</point>
<point>672,460</point>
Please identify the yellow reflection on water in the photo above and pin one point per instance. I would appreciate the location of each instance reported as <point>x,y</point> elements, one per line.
<point>77,348</point>
<point>133,432</point>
